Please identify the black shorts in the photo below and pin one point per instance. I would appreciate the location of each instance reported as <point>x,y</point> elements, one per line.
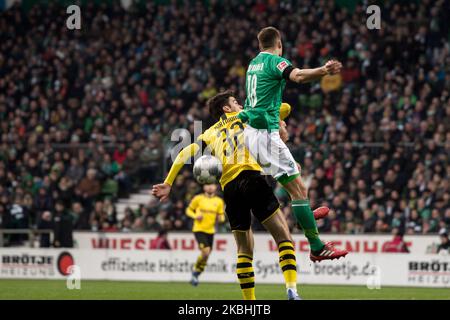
<point>204,239</point>
<point>249,193</point>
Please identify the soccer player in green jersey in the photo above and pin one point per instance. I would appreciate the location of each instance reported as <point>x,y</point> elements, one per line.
<point>265,81</point>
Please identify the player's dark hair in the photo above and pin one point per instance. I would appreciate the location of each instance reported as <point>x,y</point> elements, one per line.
<point>215,104</point>
<point>267,37</point>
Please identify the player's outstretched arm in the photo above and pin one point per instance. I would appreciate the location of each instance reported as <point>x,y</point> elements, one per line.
<point>307,75</point>
<point>162,190</point>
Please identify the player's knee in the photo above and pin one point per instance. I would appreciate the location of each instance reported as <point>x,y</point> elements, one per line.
<point>303,193</point>
<point>297,190</point>
<point>206,252</point>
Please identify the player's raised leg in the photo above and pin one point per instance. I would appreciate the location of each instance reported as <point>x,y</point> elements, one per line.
<point>276,160</point>
<point>306,219</point>
<point>302,210</point>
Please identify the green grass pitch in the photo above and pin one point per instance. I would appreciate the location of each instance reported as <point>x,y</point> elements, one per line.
<point>122,290</point>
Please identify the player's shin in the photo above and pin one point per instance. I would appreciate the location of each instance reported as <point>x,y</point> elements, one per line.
<point>302,210</point>
<point>288,264</point>
<point>246,276</point>
<point>200,265</point>
<point>305,218</point>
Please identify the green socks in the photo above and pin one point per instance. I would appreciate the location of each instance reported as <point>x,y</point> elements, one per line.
<point>305,218</point>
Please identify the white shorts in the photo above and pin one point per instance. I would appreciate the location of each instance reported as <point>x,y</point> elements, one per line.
<point>270,152</point>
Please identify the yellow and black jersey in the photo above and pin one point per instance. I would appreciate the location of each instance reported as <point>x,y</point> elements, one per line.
<point>210,208</point>
<point>225,140</point>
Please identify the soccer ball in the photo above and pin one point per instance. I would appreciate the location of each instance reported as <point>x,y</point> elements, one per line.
<point>207,169</point>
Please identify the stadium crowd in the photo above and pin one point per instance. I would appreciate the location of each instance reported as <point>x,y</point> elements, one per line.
<point>86,115</point>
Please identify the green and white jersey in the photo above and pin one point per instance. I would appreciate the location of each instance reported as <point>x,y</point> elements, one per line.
<point>264,88</point>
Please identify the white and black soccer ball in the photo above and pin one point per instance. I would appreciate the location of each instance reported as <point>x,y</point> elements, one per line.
<point>207,169</point>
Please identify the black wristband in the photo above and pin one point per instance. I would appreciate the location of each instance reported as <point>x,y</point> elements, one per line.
<point>287,72</point>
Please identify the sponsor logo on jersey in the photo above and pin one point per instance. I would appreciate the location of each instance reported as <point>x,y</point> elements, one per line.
<point>282,65</point>
<point>256,67</point>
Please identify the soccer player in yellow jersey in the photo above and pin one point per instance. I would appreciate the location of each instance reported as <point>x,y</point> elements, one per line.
<point>246,192</point>
<point>206,209</point>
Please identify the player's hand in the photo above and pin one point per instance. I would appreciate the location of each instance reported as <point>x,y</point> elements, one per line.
<point>161,191</point>
<point>284,135</point>
<point>199,217</point>
<point>333,67</point>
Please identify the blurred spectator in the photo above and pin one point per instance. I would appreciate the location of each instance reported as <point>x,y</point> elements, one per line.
<point>80,217</point>
<point>63,226</point>
<point>138,225</point>
<point>397,244</point>
<point>2,216</point>
<point>444,246</point>
<point>18,219</point>
<point>89,186</point>
<point>151,224</point>
<point>108,227</point>
<point>75,171</point>
<point>161,242</point>
<point>126,225</point>
<point>45,223</point>
<point>88,115</point>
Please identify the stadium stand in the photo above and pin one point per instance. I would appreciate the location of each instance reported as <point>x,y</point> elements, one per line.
<point>86,115</point>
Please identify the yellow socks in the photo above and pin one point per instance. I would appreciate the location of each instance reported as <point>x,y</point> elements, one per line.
<point>288,264</point>
<point>199,266</point>
<point>246,276</point>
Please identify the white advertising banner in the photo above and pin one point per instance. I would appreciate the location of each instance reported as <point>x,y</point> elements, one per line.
<point>356,244</point>
<point>372,270</point>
